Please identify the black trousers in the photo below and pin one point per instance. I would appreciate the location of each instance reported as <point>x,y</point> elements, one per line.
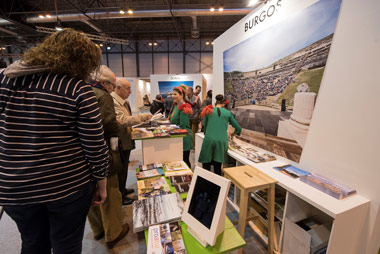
<point>186,158</point>
<point>217,167</point>
<point>122,176</point>
<point>57,225</point>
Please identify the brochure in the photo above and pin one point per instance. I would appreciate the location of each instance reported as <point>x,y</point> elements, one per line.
<point>141,133</point>
<point>328,186</point>
<point>150,166</point>
<point>180,179</point>
<point>151,183</point>
<point>175,165</point>
<point>178,172</point>
<point>292,171</point>
<point>182,188</point>
<point>166,239</point>
<point>152,187</point>
<point>156,210</point>
<point>149,173</point>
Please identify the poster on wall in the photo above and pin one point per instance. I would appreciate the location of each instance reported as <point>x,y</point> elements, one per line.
<point>165,87</point>
<point>273,77</point>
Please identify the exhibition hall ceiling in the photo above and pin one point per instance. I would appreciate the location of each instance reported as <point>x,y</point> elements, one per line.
<point>131,20</point>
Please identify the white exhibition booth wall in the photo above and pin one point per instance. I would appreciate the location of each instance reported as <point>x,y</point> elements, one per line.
<point>196,79</point>
<point>344,139</point>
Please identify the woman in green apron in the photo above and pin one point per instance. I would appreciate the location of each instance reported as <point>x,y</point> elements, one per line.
<point>215,144</point>
<point>180,116</point>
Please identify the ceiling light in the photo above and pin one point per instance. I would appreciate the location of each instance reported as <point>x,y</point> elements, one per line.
<point>130,11</point>
<point>252,2</point>
<point>122,11</point>
<point>221,8</point>
<point>155,43</point>
<point>150,44</point>
<point>212,43</point>
<point>212,8</point>
<point>101,44</point>
<point>48,15</point>
<point>59,26</point>
<point>207,43</point>
<point>108,47</point>
<point>41,16</point>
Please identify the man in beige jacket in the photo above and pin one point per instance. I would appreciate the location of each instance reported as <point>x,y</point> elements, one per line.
<point>124,116</point>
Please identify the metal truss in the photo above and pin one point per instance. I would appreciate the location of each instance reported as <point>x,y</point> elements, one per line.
<point>91,36</point>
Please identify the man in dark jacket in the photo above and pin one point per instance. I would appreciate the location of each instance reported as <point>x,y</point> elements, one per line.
<point>157,105</point>
<point>106,220</point>
<point>168,104</point>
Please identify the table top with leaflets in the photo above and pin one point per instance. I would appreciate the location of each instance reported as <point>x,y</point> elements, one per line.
<point>227,241</point>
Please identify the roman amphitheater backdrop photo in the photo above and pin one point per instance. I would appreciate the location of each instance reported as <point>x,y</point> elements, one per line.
<point>262,74</point>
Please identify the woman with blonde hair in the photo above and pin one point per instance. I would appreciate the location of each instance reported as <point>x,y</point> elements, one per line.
<point>52,151</point>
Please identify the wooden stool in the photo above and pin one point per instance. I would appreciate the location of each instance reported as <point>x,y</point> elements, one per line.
<point>249,179</point>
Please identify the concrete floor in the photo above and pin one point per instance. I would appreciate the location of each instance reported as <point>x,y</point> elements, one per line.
<point>10,241</point>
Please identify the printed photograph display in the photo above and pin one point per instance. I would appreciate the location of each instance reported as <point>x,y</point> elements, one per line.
<point>272,79</point>
<point>166,87</point>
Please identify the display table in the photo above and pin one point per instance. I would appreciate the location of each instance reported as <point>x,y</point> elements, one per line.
<point>227,241</point>
<point>303,201</point>
<point>249,179</point>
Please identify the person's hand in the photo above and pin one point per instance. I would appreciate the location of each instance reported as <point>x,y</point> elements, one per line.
<point>145,117</point>
<point>101,192</point>
<point>231,134</point>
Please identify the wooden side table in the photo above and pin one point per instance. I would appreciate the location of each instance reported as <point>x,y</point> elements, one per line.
<point>249,179</point>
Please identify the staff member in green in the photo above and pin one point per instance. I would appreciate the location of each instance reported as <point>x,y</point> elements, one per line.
<point>180,116</point>
<point>215,144</point>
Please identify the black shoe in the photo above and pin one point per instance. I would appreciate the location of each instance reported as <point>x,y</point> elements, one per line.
<point>128,201</point>
<point>123,233</point>
<point>98,237</point>
<point>128,191</point>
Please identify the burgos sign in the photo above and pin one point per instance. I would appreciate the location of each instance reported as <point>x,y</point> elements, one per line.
<point>268,11</point>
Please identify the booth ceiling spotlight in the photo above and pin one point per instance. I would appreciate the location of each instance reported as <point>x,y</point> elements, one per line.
<point>91,36</point>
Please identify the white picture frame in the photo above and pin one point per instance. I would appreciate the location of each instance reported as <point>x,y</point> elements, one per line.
<point>204,234</point>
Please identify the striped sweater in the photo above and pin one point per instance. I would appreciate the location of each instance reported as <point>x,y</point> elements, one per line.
<point>51,138</point>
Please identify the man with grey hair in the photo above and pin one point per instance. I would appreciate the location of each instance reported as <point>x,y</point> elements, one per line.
<point>106,220</point>
<point>126,120</point>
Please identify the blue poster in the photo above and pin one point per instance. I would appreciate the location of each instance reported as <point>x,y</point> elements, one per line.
<point>165,87</point>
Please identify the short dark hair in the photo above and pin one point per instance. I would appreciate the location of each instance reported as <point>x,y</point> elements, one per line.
<point>198,86</point>
<point>158,97</point>
<point>209,93</point>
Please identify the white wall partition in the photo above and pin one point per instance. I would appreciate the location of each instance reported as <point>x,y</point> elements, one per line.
<point>344,139</point>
